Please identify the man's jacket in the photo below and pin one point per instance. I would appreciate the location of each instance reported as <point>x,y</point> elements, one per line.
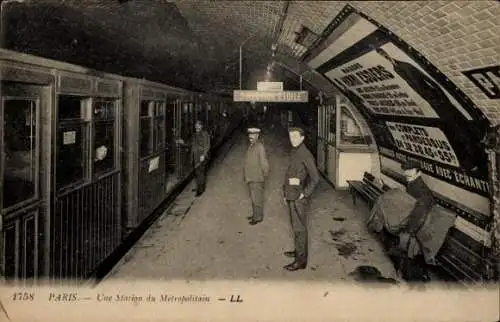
<point>200,145</point>
<point>425,201</point>
<point>302,175</point>
<point>256,167</point>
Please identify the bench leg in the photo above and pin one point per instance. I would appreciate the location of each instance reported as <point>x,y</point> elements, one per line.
<point>353,194</point>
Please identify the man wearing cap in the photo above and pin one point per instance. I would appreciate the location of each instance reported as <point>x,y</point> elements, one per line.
<point>300,180</point>
<point>417,188</point>
<point>200,146</point>
<point>255,171</point>
<point>414,268</point>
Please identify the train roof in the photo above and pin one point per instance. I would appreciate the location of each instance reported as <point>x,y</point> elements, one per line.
<point>37,61</point>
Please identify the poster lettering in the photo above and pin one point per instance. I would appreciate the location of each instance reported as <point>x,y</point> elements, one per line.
<point>411,110</point>
<point>424,141</point>
<point>382,91</point>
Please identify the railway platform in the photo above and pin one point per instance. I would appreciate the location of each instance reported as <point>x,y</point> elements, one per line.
<point>208,237</point>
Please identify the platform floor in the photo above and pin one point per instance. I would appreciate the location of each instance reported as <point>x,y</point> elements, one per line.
<point>209,237</point>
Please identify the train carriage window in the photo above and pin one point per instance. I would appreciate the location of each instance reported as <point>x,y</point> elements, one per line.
<point>104,135</point>
<point>146,135</point>
<point>170,120</point>
<point>20,142</point>
<point>200,115</point>
<point>186,121</point>
<point>190,118</point>
<point>152,127</point>
<point>209,115</point>
<point>71,149</point>
<point>350,132</point>
<point>159,126</point>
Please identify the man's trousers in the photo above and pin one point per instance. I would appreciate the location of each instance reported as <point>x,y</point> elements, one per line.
<point>257,196</point>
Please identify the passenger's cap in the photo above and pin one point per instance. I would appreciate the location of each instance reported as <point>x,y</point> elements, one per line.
<point>253,130</point>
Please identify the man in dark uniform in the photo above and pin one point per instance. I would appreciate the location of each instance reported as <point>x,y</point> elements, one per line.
<point>414,269</point>
<point>256,169</point>
<point>417,188</point>
<point>300,180</point>
<point>200,146</point>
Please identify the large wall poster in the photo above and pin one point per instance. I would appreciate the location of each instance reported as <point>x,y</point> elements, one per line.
<point>409,107</point>
<point>486,79</point>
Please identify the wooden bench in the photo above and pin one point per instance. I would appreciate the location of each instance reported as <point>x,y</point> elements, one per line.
<point>462,258</point>
<point>368,189</point>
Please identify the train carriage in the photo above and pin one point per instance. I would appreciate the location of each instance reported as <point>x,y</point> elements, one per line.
<point>61,167</point>
<point>152,121</point>
<point>86,158</point>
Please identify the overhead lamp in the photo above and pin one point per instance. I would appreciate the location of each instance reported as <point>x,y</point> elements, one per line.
<point>306,37</point>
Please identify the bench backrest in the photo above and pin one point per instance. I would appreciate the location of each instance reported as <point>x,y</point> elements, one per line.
<point>370,179</point>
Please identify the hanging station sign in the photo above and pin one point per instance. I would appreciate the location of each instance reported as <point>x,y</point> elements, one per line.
<point>270,96</point>
<point>270,86</point>
<point>413,110</point>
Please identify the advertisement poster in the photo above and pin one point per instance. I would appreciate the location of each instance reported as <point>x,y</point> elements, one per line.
<point>410,112</point>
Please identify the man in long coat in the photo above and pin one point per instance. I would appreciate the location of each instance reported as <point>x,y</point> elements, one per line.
<point>301,179</point>
<point>256,170</point>
<point>200,146</point>
<point>418,189</point>
<point>415,268</point>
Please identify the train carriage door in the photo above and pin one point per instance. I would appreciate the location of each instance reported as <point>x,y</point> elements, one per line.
<point>178,128</point>
<point>208,126</point>
<point>170,137</point>
<point>25,183</point>
<point>86,226</point>
<point>188,125</point>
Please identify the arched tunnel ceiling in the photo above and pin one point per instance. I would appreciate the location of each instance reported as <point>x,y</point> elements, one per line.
<point>197,43</point>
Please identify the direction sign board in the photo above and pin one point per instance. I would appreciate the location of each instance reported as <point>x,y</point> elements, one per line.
<point>269,86</point>
<point>265,96</point>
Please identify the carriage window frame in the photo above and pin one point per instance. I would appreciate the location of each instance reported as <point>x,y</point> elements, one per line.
<point>85,121</point>
<point>201,111</point>
<point>156,114</point>
<point>171,107</point>
<point>37,164</point>
<point>208,108</point>
<point>187,128</point>
<point>145,117</point>
<point>106,120</point>
<point>159,118</point>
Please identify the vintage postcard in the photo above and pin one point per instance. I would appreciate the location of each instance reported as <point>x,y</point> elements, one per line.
<point>182,160</point>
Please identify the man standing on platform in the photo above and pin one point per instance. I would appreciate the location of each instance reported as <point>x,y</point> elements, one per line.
<point>200,146</point>
<point>300,180</point>
<point>256,169</point>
